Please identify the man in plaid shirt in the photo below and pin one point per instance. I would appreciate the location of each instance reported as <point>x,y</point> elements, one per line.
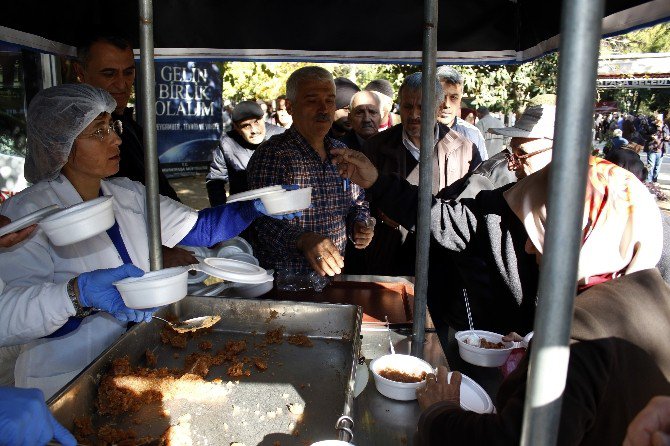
<point>301,156</point>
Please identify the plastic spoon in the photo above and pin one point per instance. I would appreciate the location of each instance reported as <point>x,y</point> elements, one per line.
<point>194,324</point>
<point>472,339</point>
<point>388,329</point>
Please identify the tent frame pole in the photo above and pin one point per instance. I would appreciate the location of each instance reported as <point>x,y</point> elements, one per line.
<point>148,94</point>
<point>581,22</point>
<point>425,174</point>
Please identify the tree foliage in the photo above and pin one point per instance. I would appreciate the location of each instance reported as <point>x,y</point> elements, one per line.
<point>505,88</point>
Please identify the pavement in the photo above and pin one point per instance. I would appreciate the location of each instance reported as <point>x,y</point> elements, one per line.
<point>193,192</point>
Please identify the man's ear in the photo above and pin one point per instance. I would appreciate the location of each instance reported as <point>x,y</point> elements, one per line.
<point>79,71</point>
<point>289,107</point>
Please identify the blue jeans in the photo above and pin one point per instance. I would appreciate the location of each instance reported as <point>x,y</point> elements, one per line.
<point>654,161</point>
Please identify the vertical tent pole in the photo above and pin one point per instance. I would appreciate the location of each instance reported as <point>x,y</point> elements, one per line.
<point>148,94</point>
<point>578,62</point>
<point>425,173</point>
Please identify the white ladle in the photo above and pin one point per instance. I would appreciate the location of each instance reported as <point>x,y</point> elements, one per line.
<point>472,339</point>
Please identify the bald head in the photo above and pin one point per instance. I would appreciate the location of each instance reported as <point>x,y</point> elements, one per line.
<point>364,114</point>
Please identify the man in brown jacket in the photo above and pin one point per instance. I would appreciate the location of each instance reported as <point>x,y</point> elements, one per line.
<point>392,251</point>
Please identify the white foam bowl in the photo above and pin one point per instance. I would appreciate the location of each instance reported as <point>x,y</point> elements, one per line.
<point>403,363</point>
<point>79,222</point>
<point>235,243</point>
<point>289,201</point>
<point>485,357</point>
<point>243,257</point>
<point>331,443</point>
<point>154,289</point>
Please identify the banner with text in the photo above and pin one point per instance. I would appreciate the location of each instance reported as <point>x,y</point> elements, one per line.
<point>188,115</point>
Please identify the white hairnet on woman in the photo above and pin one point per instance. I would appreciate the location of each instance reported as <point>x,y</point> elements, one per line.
<point>51,291</point>
<point>55,121</point>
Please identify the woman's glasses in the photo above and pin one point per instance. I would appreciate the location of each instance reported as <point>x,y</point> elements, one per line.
<point>515,162</point>
<point>102,133</point>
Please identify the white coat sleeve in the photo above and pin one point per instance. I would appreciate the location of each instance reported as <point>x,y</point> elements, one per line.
<point>31,305</point>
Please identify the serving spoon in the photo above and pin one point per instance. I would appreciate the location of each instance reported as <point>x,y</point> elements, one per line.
<point>194,324</point>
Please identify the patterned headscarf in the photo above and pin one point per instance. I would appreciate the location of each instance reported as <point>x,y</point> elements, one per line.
<point>621,225</point>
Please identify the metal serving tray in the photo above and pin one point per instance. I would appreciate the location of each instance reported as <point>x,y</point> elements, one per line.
<point>255,410</point>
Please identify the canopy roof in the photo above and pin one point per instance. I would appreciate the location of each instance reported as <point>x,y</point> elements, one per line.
<point>389,31</point>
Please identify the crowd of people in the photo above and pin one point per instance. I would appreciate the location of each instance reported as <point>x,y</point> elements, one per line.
<point>361,159</point>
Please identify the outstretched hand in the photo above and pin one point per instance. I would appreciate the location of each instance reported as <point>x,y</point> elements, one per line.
<point>439,388</point>
<point>356,166</point>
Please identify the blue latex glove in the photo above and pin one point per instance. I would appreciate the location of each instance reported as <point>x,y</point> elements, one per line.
<point>258,205</point>
<point>96,290</point>
<point>25,419</point>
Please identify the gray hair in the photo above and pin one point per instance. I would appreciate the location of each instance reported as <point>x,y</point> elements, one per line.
<point>448,75</point>
<point>413,83</point>
<point>373,94</point>
<point>311,73</point>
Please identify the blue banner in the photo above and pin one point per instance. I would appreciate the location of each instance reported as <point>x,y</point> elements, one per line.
<point>188,115</point>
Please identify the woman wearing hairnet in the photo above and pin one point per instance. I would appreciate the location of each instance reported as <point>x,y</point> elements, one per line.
<point>72,147</point>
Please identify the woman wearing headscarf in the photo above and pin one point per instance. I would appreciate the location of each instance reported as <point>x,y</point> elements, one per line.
<point>619,357</point>
<point>73,146</point>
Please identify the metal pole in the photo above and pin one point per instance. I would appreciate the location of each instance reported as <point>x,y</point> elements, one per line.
<point>425,174</point>
<point>148,94</point>
<point>580,38</point>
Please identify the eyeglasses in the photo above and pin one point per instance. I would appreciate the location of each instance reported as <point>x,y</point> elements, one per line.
<point>515,162</point>
<point>102,133</point>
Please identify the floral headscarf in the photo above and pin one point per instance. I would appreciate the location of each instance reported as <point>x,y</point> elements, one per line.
<point>621,228</point>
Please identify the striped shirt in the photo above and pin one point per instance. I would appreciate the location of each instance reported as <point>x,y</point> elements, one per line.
<point>289,159</point>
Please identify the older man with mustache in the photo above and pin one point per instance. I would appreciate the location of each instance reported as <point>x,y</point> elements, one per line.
<point>301,156</point>
<point>364,117</point>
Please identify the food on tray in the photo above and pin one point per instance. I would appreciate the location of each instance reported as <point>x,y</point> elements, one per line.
<point>275,336</point>
<point>273,315</point>
<point>260,364</point>
<point>237,370</point>
<point>402,377</point>
<point>152,360</point>
<point>300,340</point>
<point>205,345</point>
<point>492,345</point>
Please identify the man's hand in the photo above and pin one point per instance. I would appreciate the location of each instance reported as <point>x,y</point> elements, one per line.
<point>177,257</point>
<point>354,165</point>
<point>438,388</point>
<point>13,238</point>
<point>651,427</point>
<point>321,253</point>
<point>363,234</point>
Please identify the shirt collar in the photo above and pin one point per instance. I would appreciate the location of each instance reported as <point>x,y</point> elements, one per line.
<point>413,149</point>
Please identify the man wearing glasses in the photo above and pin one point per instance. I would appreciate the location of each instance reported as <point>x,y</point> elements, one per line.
<point>530,150</point>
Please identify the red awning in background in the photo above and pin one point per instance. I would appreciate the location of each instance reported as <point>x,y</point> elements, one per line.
<point>606,107</point>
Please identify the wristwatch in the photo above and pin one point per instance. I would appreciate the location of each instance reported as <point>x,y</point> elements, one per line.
<point>81,312</point>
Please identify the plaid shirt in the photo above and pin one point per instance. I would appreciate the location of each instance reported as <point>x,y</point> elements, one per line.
<point>289,159</point>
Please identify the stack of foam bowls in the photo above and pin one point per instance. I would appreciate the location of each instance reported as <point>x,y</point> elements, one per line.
<point>484,357</point>
<point>154,289</point>
<point>402,363</point>
<point>79,222</point>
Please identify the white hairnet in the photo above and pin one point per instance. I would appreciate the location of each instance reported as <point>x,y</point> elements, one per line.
<point>56,116</point>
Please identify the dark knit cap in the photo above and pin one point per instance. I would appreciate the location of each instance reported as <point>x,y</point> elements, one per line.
<point>246,110</point>
<point>381,86</point>
<point>344,90</point>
